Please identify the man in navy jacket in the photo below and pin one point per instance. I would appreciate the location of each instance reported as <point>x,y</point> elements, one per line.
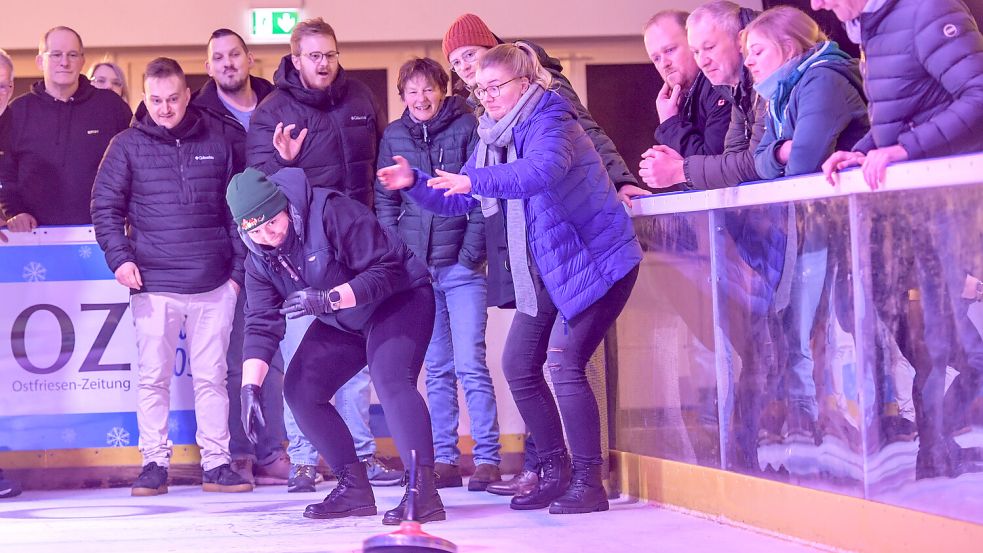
<point>58,132</point>
<point>160,217</point>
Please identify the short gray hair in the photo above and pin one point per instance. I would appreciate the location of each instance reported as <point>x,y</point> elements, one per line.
<point>5,60</point>
<point>724,13</point>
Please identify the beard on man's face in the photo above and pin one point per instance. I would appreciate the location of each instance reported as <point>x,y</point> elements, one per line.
<point>232,86</point>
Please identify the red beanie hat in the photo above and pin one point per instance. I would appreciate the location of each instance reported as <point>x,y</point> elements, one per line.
<point>468,30</point>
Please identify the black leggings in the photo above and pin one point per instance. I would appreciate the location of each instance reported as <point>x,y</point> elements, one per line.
<point>393,344</point>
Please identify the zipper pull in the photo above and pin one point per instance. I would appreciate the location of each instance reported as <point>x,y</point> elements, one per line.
<point>426,135</point>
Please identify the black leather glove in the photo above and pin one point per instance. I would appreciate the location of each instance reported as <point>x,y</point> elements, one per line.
<point>252,411</point>
<point>309,301</point>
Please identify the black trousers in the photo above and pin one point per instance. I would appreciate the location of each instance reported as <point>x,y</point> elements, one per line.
<point>393,344</point>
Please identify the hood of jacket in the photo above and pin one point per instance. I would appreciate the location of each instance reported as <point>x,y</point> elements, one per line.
<point>207,96</point>
<point>287,78</point>
<point>83,94</point>
<point>293,183</point>
<point>189,126</point>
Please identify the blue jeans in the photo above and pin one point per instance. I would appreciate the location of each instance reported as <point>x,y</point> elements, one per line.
<point>457,352</point>
<point>351,401</point>
<point>807,287</point>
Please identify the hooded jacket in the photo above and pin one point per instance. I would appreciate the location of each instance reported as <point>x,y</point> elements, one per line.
<point>580,236</point>
<point>52,150</point>
<point>924,78</point>
<point>343,126</point>
<point>159,201</point>
<point>207,100</point>
<point>334,239</point>
<point>445,142</point>
<point>818,104</point>
<point>701,124</point>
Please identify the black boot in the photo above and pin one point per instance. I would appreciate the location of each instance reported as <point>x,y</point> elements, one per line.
<point>429,508</point>
<point>552,484</point>
<point>352,497</point>
<point>586,493</point>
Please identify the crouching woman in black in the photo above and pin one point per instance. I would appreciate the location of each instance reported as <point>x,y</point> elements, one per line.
<point>316,252</point>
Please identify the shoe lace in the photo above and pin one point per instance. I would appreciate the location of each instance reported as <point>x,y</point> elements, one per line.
<point>304,471</point>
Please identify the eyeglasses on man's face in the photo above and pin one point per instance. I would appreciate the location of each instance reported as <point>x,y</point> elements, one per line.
<point>316,57</point>
<point>492,91</point>
<point>468,57</point>
<point>58,55</point>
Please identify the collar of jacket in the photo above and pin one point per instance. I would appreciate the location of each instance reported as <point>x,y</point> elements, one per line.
<point>84,92</point>
<point>288,78</point>
<point>189,126</point>
<point>451,108</point>
<point>777,88</point>
<point>873,13</point>
<point>206,97</point>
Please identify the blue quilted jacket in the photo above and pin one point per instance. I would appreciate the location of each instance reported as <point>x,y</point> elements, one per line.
<point>580,236</point>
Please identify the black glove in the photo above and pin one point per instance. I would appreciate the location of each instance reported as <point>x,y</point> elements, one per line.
<point>309,301</point>
<point>252,411</point>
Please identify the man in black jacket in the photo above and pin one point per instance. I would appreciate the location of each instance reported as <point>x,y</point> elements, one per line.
<point>58,133</point>
<point>693,114</point>
<point>231,97</point>
<point>160,218</point>
<point>320,120</point>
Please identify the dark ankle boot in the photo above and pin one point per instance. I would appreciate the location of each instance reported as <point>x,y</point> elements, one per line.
<point>429,508</point>
<point>554,481</point>
<point>586,493</point>
<point>352,497</point>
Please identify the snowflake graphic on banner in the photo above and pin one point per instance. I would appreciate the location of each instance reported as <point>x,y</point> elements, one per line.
<point>173,424</point>
<point>118,437</point>
<point>68,436</point>
<point>85,252</point>
<point>34,272</point>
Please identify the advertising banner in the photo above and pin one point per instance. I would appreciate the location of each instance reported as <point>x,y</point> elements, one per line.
<point>68,373</point>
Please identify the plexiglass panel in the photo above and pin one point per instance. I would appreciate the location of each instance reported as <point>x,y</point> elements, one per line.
<point>834,343</point>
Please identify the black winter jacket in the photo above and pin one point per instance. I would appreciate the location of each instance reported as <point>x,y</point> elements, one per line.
<point>52,150</point>
<point>701,124</point>
<point>924,78</point>
<point>333,240</point>
<point>445,142</point>
<point>207,100</point>
<point>343,126</point>
<point>159,201</point>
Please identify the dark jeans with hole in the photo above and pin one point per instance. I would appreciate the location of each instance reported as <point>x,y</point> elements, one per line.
<point>393,344</point>
<point>570,345</point>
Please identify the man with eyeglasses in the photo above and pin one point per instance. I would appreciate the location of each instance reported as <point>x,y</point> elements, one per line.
<point>328,124</point>
<point>57,135</point>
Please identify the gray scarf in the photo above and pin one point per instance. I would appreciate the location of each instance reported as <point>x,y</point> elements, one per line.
<point>497,146</point>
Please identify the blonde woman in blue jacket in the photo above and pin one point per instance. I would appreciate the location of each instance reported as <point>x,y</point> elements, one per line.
<point>573,256</point>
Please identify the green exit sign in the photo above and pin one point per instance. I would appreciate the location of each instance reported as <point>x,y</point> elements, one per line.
<point>273,24</point>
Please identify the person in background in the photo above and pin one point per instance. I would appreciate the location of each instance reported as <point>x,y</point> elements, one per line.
<point>6,92</point>
<point>923,73</point>
<point>438,132</point>
<point>315,95</point>
<point>693,115</point>
<point>573,255</point>
<point>157,197</point>
<point>48,167</point>
<point>318,253</point>
<point>815,106</point>
<point>108,75</point>
<point>230,97</point>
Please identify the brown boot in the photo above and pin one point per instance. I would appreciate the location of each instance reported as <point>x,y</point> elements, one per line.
<point>484,474</point>
<point>520,484</point>
<point>448,476</point>
<point>244,468</point>
<point>273,472</point>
